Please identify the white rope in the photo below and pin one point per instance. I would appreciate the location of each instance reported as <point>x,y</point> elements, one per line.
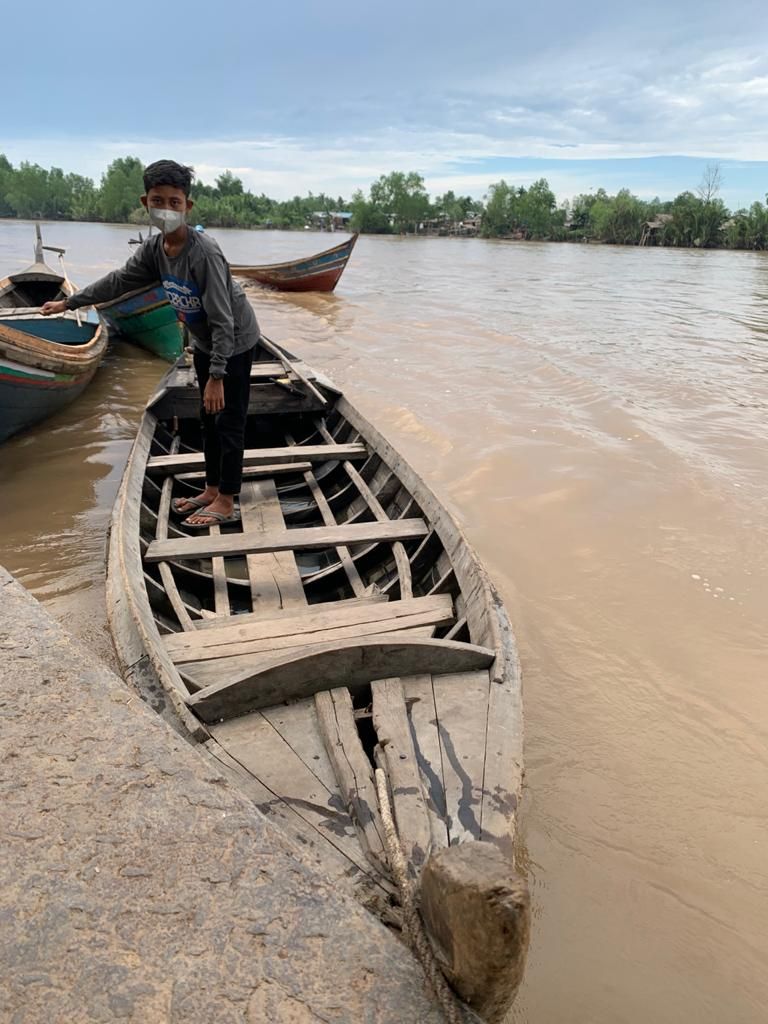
<point>68,282</point>
<point>414,929</point>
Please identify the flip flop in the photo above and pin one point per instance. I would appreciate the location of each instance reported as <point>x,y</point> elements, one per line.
<point>221,519</point>
<point>194,502</point>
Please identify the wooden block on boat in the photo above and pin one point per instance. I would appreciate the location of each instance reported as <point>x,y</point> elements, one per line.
<point>302,671</point>
<point>304,539</point>
<point>262,456</point>
<point>390,720</point>
<point>476,910</point>
<point>353,770</point>
<point>326,624</point>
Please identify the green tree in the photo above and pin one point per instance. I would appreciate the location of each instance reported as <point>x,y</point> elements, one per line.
<point>401,197</point>
<point>6,180</point>
<point>367,217</point>
<point>29,191</point>
<point>228,185</point>
<point>121,188</point>
<point>84,202</point>
<point>498,211</point>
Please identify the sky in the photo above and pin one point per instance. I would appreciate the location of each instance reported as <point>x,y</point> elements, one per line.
<point>314,96</point>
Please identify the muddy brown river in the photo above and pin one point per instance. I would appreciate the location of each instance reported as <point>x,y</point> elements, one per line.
<point>596,418</point>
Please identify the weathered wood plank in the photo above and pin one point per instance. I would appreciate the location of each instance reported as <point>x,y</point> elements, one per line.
<point>161,533</point>
<point>254,472</point>
<point>503,774</point>
<point>274,578</point>
<point>390,720</point>
<point>219,573</point>
<point>297,612</point>
<point>312,846</point>
<point>255,744</point>
<point>352,769</point>
<point>402,563</point>
<point>461,702</point>
<point>276,633</point>
<point>308,538</point>
<point>303,671</point>
<point>261,457</point>
<point>298,724</point>
<point>420,701</point>
<point>358,587</point>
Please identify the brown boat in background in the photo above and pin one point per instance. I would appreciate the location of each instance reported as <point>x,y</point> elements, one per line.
<point>319,273</point>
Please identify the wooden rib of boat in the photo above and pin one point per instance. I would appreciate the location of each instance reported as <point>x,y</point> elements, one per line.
<point>319,273</point>
<point>146,318</point>
<point>45,362</point>
<point>344,624</point>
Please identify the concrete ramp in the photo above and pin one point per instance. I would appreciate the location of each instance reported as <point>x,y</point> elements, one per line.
<point>137,886</point>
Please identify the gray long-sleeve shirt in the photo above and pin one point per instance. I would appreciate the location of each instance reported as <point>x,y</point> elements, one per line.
<point>200,288</point>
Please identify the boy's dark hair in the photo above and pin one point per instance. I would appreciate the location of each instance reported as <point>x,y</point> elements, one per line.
<point>168,172</point>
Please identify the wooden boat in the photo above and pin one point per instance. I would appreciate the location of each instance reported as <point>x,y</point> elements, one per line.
<point>146,318</point>
<point>319,273</point>
<point>45,362</point>
<point>344,624</point>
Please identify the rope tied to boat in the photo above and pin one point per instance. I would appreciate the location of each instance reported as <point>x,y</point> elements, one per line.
<point>68,282</point>
<point>413,927</point>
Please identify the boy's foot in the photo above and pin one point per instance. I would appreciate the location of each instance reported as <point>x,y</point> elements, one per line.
<point>185,506</point>
<point>223,505</point>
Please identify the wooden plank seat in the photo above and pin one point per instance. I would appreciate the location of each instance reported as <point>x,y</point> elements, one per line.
<point>160,464</point>
<point>255,472</point>
<point>305,539</point>
<point>246,683</point>
<point>326,624</point>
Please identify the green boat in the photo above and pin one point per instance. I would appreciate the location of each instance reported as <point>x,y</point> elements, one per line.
<point>146,318</point>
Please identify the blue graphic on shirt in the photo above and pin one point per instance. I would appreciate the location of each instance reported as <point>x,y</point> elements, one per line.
<point>184,296</point>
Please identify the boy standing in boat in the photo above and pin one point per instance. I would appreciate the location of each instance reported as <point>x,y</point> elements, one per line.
<point>220,321</point>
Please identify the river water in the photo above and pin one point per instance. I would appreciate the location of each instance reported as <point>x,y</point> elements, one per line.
<point>596,419</point>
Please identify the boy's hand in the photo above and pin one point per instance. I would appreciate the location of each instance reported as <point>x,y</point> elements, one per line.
<point>54,307</point>
<point>213,396</point>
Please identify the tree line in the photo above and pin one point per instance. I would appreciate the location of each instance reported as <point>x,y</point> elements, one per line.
<point>399,203</point>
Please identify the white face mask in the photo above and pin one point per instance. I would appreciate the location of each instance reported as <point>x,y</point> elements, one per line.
<point>166,221</point>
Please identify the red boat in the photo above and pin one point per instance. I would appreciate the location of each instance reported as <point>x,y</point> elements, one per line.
<point>318,273</point>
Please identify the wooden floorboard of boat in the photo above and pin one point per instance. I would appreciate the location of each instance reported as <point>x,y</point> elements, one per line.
<point>398,758</point>
<point>461,704</point>
<point>311,845</point>
<point>261,456</point>
<point>255,744</point>
<point>353,770</point>
<point>420,700</point>
<point>274,578</point>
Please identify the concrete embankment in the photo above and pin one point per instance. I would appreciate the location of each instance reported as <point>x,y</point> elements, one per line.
<point>137,886</point>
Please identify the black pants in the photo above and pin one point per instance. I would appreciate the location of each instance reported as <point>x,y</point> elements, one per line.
<point>224,432</point>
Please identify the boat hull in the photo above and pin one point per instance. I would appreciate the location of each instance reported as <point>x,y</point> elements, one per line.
<point>319,273</point>
<point>29,395</point>
<point>343,625</point>
<point>147,319</point>
<point>45,363</point>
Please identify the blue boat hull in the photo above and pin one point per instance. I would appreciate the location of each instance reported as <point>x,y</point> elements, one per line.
<point>26,402</point>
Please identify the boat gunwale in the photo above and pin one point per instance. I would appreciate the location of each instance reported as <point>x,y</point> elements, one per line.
<point>348,244</point>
